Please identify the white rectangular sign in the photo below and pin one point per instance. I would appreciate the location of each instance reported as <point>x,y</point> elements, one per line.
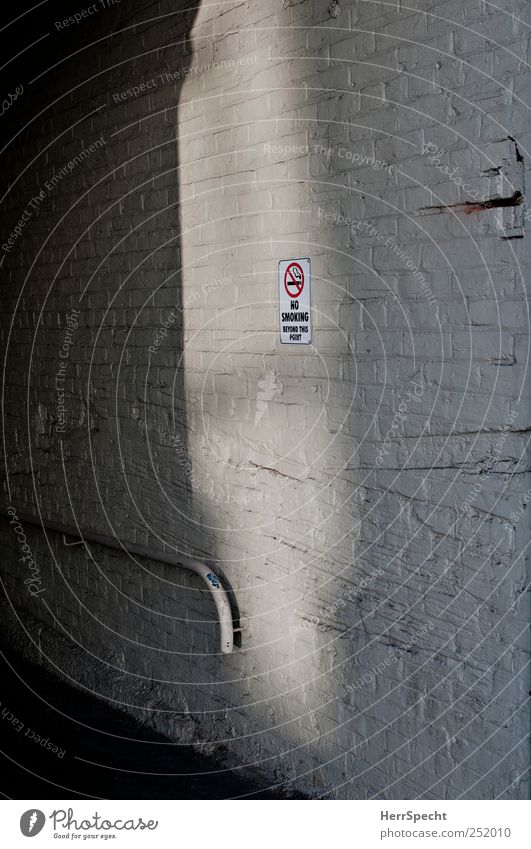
<point>295,301</point>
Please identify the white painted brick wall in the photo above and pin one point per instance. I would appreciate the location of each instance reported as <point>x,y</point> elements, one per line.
<point>382,595</point>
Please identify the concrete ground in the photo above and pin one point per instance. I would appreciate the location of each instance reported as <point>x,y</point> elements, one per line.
<point>59,743</point>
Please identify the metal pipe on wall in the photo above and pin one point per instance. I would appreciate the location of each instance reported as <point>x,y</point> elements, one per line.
<point>210,578</point>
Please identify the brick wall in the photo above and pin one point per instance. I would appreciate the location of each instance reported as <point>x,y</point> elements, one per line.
<point>364,497</point>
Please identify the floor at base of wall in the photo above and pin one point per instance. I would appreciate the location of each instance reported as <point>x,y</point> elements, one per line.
<point>82,748</point>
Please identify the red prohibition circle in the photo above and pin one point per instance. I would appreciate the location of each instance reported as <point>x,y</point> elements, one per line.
<point>294,277</point>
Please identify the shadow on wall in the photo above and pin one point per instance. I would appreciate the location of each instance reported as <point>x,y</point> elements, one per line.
<point>94,409</point>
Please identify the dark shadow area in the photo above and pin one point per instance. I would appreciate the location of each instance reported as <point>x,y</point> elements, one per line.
<point>102,239</point>
<point>96,747</point>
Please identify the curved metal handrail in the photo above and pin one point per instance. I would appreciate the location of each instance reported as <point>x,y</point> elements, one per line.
<point>211,579</point>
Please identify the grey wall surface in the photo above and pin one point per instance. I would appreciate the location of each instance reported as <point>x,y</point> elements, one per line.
<point>364,497</point>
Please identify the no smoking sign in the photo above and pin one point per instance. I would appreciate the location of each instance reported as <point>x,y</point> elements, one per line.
<point>295,303</point>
